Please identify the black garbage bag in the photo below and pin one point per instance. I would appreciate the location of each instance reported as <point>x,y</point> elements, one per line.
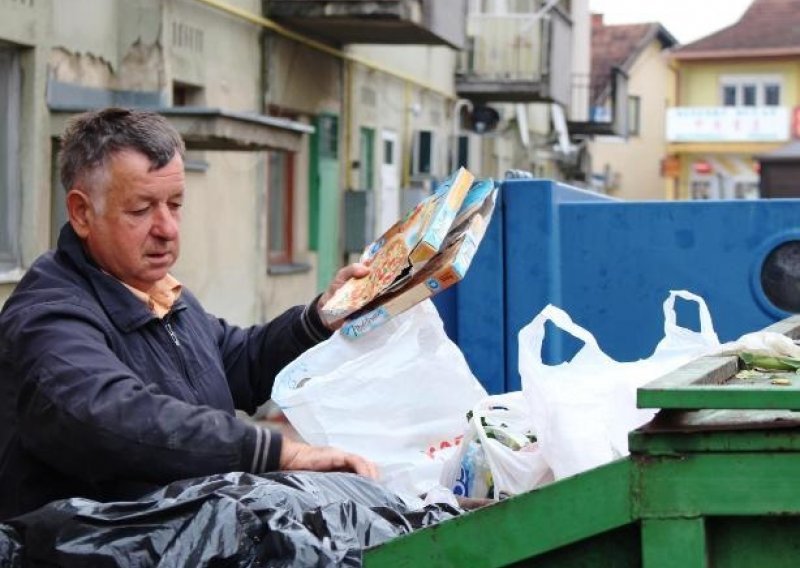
<point>236,519</point>
<point>10,548</point>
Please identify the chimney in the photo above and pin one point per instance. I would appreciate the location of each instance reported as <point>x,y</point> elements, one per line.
<point>597,21</point>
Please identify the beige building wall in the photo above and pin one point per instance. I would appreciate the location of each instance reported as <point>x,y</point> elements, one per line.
<point>383,102</point>
<point>635,163</point>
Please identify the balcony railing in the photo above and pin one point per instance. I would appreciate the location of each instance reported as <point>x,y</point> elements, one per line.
<point>516,57</point>
<point>504,47</point>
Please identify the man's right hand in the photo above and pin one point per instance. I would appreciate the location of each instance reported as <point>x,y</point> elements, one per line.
<point>300,456</point>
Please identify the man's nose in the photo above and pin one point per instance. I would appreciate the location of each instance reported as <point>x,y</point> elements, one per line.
<point>166,222</point>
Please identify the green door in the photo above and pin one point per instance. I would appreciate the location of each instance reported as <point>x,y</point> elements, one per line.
<point>324,199</point>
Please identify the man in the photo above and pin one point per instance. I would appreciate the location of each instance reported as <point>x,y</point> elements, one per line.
<point>113,379</point>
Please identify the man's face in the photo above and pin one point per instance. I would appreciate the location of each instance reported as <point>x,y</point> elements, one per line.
<point>135,235</point>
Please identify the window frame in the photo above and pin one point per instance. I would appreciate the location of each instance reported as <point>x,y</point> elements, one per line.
<point>10,146</point>
<point>634,118</point>
<point>281,255</point>
<point>760,81</point>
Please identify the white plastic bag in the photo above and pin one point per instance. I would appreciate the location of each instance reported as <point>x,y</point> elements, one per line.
<point>485,462</point>
<point>767,343</point>
<point>397,395</point>
<point>583,409</point>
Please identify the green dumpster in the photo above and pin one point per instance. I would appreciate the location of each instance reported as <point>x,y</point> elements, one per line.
<point>713,480</point>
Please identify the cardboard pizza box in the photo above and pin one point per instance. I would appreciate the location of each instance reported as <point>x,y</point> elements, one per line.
<point>404,248</point>
<point>443,270</point>
<point>425,226</point>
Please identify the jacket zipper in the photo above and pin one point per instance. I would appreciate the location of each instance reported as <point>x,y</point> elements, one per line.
<point>172,335</point>
<point>177,343</point>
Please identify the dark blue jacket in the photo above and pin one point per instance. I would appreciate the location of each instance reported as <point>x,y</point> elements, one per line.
<point>101,399</point>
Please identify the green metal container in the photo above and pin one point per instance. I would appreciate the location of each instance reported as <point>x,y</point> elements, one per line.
<point>713,480</point>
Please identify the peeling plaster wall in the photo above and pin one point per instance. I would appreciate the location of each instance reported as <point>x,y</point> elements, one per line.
<point>121,49</point>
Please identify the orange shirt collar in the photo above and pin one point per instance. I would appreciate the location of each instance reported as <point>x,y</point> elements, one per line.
<point>161,297</point>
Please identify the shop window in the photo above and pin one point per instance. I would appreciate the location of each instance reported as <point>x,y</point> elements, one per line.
<point>280,207</point>
<point>10,185</point>
<point>702,189</point>
<point>746,190</point>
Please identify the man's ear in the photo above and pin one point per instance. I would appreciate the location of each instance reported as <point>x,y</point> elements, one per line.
<point>79,211</point>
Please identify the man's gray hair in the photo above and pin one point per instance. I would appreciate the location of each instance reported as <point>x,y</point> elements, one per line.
<point>91,138</point>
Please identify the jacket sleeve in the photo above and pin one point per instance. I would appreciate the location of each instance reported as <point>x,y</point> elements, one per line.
<point>85,413</point>
<point>254,356</point>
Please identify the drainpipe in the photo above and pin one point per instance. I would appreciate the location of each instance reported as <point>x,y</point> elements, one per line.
<point>347,122</point>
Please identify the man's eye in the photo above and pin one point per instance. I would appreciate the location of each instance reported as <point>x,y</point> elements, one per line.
<point>139,212</point>
<point>175,205</point>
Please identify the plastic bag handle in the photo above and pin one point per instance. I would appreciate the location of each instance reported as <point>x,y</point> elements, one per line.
<point>533,334</point>
<point>670,318</point>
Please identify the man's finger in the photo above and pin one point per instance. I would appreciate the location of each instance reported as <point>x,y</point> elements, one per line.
<point>363,467</point>
<point>355,270</point>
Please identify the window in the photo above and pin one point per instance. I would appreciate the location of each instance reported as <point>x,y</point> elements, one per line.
<point>365,158</point>
<point>750,90</point>
<point>328,136</point>
<point>280,207</point>
<point>423,156</point>
<point>186,95</point>
<point>634,116</point>
<point>749,95</point>
<point>729,95</point>
<point>10,187</point>
<point>388,152</point>
<point>772,94</point>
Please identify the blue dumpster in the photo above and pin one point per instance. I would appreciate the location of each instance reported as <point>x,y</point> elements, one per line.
<point>610,265</point>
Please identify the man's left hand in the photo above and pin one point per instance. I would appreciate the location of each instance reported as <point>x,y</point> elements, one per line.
<point>298,455</point>
<point>355,270</point>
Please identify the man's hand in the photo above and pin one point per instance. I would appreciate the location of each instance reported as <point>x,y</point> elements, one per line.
<point>297,455</point>
<point>355,270</point>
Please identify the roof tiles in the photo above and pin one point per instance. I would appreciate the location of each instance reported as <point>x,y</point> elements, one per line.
<point>766,25</point>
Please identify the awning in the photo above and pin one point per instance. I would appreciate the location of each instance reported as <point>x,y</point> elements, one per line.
<point>788,153</point>
<point>739,168</point>
<point>213,128</point>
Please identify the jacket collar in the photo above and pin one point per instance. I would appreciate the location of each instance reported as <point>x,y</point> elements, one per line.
<point>125,310</point>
